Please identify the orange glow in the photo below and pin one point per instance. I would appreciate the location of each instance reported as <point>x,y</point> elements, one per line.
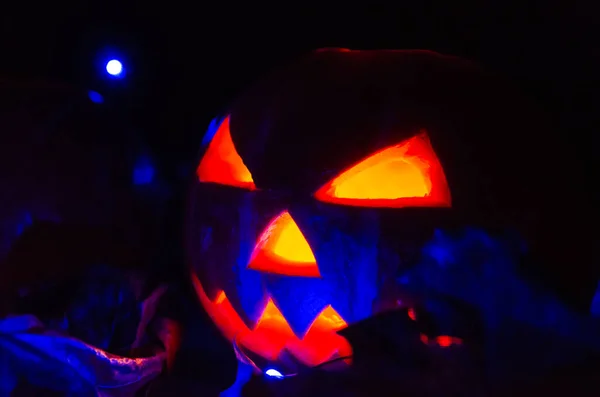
<point>446,341</point>
<point>222,164</point>
<point>282,249</point>
<point>441,341</point>
<point>412,315</point>
<point>272,333</point>
<point>405,175</point>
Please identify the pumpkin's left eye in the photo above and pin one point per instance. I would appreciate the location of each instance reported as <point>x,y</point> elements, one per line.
<point>221,162</point>
<point>408,174</point>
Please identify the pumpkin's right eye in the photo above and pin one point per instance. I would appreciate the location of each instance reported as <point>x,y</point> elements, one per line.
<point>408,174</point>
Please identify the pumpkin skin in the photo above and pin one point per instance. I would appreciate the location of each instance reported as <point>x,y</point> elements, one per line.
<point>303,125</point>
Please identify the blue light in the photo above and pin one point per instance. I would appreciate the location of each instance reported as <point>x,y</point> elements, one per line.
<point>212,130</point>
<point>273,373</point>
<point>114,67</point>
<point>595,309</point>
<point>25,223</point>
<point>143,173</point>
<point>95,97</point>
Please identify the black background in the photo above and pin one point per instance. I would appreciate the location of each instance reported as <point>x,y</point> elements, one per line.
<point>187,60</point>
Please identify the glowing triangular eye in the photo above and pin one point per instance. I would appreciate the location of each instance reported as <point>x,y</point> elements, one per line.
<point>405,175</point>
<point>222,164</point>
<point>283,249</point>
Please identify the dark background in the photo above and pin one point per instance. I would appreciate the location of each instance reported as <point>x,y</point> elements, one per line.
<point>186,61</point>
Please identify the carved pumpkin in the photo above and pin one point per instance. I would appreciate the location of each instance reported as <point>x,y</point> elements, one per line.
<point>324,180</point>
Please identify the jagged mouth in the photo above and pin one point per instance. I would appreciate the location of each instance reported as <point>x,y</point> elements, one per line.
<point>286,365</point>
<point>272,340</point>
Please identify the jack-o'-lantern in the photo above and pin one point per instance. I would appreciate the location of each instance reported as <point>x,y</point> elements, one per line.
<point>323,181</point>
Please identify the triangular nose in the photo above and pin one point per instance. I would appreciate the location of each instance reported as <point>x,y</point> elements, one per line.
<point>283,249</point>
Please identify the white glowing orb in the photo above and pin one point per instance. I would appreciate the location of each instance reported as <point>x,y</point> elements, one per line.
<point>273,373</point>
<point>114,67</point>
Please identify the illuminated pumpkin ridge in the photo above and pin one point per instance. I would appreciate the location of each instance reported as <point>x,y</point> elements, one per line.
<point>272,333</point>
